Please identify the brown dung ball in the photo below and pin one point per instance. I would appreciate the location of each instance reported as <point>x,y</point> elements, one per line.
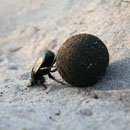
<point>82,60</point>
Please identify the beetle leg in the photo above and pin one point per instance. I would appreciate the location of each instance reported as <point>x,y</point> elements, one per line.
<point>41,82</point>
<point>50,76</point>
<point>30,84</point>
<point>53,70</point>
<point>45,87</point>
<point>47,68</point>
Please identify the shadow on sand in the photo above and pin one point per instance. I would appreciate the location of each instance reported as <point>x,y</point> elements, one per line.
<point>117,77</point>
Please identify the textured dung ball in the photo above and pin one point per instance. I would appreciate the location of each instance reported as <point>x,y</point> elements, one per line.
<point>82,60</point>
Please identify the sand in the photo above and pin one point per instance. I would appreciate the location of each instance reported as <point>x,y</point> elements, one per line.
<point>29,26</point>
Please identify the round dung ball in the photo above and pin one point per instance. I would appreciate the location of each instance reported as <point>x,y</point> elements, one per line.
<point>82,60</point>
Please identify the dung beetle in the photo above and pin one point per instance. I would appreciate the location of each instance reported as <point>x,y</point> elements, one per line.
<point>42,67</point>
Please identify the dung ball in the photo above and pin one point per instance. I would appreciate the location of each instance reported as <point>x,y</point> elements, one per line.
<point>82,60</point>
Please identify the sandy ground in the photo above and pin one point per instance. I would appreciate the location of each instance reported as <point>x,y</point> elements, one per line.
<point>29,26</point>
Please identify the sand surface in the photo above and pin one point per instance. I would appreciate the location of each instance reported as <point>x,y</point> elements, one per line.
<point>29,26</point>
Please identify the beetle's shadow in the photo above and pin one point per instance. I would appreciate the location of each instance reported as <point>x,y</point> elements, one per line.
<point>116,78</point>
<point>56,87</point>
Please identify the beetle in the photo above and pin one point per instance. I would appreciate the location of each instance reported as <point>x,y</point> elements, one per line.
<point>42,67</point>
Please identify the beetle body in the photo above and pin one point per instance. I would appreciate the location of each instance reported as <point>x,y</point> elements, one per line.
<point>42,67</point>
<point>45,59</point>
